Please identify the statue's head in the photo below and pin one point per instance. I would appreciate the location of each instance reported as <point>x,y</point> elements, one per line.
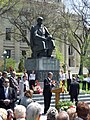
<point>39,20</point>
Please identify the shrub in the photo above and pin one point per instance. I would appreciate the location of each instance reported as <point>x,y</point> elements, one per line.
<point>81,77</point>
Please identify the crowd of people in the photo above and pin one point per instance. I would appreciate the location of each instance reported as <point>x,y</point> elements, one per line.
<point>34,112</point>
<point>73,83</point>
<point>68,77</point>
<point>23,86</point>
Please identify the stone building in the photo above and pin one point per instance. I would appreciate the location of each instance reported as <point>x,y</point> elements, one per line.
<point>15,49</point>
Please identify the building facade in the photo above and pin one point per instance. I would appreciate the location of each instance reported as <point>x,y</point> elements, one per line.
<point>14,48</point>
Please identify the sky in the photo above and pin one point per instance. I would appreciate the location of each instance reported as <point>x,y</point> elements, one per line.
<point>79,5</point>
<point>69,3</point>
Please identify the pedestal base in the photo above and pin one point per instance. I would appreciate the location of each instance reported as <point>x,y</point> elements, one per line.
<point>42,66</point>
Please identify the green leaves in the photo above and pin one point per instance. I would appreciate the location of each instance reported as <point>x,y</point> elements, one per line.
<point>59,55</point>
<point>10,63</point>
<point>64,105</point>
<point>4,2</point>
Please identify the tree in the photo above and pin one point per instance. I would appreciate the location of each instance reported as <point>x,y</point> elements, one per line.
<point>77,28</point>
<point>59,55</point>
<point>9,63</point>
<point>21,65</point>
<point>87,62</point>
<point>6,5</point>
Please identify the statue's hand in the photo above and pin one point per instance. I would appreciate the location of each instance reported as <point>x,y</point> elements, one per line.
<point>50,37</point>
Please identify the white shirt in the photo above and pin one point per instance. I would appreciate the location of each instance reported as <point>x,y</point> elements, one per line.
<point>24,75</point>
<point>67,76</point>
<point>88,79</point>
<point>32,77</point>
<point>62,76</point>
<point>6,92</point>
<point>21,87</point>
<point>27,84</point>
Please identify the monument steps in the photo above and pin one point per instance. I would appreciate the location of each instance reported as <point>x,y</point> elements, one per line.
<point>82,97</point>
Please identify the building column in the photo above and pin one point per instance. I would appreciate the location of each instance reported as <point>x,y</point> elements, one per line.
<point>17,51</point>
<point>1,47</point>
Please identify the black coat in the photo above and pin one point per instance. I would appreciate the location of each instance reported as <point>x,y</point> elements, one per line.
<point>47,87</point>
<point>11,96</point>
<point>1,81</point>
<point>74,88</point>
<point>13,83</point>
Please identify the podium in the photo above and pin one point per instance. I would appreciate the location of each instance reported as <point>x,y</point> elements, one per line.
<point>57,92</point>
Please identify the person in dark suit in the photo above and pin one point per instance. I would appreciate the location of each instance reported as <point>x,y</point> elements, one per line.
<point>74,90</point>
<point>47,91</point>
<point>7,96</point>
<point>2,78</point>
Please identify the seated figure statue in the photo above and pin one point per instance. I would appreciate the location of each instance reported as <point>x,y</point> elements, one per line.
<point>42,43</point>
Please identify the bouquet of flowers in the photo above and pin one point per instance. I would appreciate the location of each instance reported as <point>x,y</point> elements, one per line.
<point>64,105</point>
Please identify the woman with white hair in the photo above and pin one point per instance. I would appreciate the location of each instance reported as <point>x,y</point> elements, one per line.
<point>63,115</point>
<point>20,112</point>
<point>33,111</point>
<point>3,114</point>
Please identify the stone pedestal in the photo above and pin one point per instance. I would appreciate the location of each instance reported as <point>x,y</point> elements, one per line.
<point>42,66</point>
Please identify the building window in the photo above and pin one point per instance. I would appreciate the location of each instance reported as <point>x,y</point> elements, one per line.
<point>8,33</point>
<point>8,53</point>
<point>70,50</point>
<point>24,35</point>
<point>58,0</point>
<point>69,62</point>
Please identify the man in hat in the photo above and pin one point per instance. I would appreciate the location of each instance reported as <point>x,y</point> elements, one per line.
<point>41,41</point>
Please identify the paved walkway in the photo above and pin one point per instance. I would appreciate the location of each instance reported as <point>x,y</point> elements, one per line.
<point>43,117</point>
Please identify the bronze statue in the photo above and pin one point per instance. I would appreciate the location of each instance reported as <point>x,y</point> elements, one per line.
<point>42,43</point>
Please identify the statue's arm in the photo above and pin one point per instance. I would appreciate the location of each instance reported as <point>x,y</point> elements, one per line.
<point>46,32</point>
<point>48,35</point>
<point>37,36</point>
